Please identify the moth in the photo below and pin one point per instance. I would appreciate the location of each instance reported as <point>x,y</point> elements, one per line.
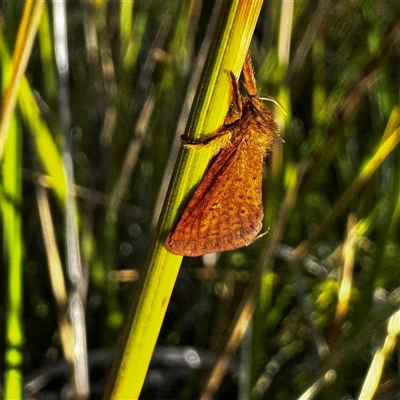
<point>226,210</point>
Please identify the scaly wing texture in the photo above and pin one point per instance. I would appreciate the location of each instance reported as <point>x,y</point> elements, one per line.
<point>226,210</point>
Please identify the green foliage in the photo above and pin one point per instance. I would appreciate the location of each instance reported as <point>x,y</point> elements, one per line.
<point>327,271</point>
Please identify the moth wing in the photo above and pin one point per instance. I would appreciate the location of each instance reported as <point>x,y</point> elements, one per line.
<point>226,211</point>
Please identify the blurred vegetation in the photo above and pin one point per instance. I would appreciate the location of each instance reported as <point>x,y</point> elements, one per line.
<point>328,275</point>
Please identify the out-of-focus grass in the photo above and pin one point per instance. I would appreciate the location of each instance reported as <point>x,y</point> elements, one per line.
<point>331,272</point>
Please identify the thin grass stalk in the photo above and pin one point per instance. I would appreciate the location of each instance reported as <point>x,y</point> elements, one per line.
<point>56,274</point>
<point>309,37</point>
<point>78,288</point>
<point>374,375</point>
<point>10,196</point>
<point>324,381</point>
<point>345,283</point>
<point>125,23</point>
<point>47,58</point>
<point>45,147</point>
<point>10,203</point>
<point>133,44</point>
<point>232,39</point>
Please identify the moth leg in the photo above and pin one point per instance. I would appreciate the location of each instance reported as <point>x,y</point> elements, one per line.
<point>248,76</point>
<point>235,111</point>
<point>218,141</point>
<point>223,137</point>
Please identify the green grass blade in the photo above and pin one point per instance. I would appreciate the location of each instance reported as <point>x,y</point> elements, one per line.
<point>23,47</point>
<point>232,40</point>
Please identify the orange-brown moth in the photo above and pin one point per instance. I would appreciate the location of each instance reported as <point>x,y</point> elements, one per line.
<point>226,210</point>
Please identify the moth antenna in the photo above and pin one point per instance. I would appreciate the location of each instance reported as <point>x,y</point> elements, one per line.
<point>268,98</point>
